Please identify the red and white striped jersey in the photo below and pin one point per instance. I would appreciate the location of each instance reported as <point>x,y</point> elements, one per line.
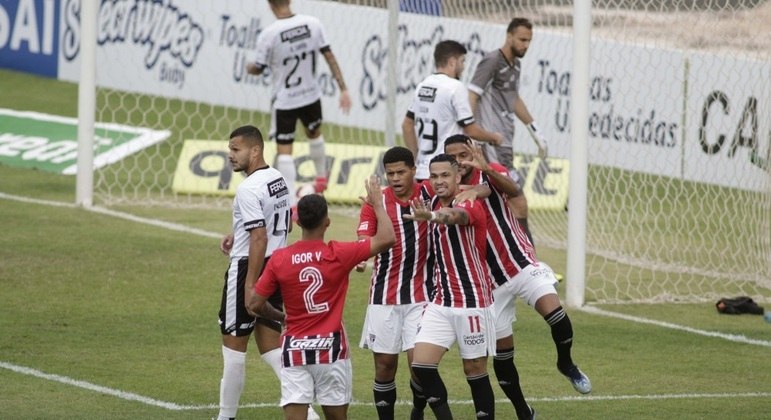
<point>460,276</point>
<point>313,279</point>
<point>400,275</point>
<point>508,248</point>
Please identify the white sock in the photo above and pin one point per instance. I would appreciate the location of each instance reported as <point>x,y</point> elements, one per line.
<point>233,375</point>
<point>319,155</point>
<point>273,359</point>
<point>285,165</point>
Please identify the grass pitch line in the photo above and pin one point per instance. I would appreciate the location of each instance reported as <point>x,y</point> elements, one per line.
<point>154,222</point>
<point>120,215</point>
<point>130,396</point>
<point>93,387</point>
<point>730,337</point>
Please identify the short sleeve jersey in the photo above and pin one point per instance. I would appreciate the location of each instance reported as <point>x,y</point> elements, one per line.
<point>496,81</point>
<point>508,248</point>
<point>440,109</point>
<point>460,274</point>
<point>262,200</point>
<point>313,279</point>
<point>290,47</point>
<point>400,275</point>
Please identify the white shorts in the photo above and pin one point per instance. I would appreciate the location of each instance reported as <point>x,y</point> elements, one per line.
<point>532,283</point>
<point>331,384</point>
<point>391,329</point>
<point>472,328</point>
<point>504,312</point>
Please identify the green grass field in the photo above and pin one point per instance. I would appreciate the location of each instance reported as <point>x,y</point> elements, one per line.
<point>101,317</point>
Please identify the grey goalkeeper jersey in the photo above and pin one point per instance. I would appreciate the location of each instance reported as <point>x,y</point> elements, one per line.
<point>496,81</point>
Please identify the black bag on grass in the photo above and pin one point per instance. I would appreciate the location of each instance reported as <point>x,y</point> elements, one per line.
<point>738,305</point>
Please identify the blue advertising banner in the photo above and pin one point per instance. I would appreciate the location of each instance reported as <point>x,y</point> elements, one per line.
<point>29,36</point>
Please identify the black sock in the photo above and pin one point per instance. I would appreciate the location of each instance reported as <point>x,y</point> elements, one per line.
<point>523,222</point>
<point>433,389</point>
<point>562,334</point>
<point>418,401</point>
<point>508,379</point>
<point>385,399</point>
<point>482,393</point>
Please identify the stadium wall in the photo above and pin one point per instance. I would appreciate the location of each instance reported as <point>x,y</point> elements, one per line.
<point>196,50</point>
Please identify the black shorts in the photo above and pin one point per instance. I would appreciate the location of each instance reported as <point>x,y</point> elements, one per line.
<point>233,318</point>
<point>286,121</point>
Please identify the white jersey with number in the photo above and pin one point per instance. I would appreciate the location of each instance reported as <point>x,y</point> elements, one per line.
<point>291,48</point>
<point>440,109</point>
<point>262,200</point>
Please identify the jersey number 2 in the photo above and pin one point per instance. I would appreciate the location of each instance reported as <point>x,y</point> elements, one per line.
<point>312,275</point>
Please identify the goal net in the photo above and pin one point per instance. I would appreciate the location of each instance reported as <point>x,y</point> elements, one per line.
<point>679,199</point>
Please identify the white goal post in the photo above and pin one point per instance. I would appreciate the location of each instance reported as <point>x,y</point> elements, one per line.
<point>670,111</point>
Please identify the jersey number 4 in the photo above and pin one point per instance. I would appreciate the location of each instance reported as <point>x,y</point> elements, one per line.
<point>294,61</point>
<point>313,275</point>
<point>427,131</point>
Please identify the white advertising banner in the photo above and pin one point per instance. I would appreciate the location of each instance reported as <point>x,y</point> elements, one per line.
<point>634,110</point>
<point>640,118</point>
<point>729,123</point>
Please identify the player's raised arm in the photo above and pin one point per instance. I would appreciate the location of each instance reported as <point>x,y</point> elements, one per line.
<point>498,177</point>
<point>384,238</point>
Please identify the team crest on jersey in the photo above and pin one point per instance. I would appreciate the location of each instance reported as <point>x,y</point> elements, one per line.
<point>277,188</point>
<point>427,94</point>
<point>298,33</point>
<point>324,343</point>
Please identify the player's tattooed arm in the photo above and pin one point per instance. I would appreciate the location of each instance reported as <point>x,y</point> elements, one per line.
<point>446,216</point>
<point>449,216</point>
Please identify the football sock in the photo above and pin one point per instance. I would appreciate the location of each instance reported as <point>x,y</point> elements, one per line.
<point>385,399</point>
<point>273,359</point>
<point>319,155</point>
<point>508,379</point>
<point>232,383</point>
<point>285,165</point>
<point>523,222</point>
<point>433,389</point>
<point>482,393</point>
<point>562,334</point>
<point>418,401</point>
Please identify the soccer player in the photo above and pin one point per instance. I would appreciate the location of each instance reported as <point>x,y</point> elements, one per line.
<point>495,100</point>
<point>312,276</point>
<point>400,284</point>
<point>260,225</point>
<point>289,47</point>
<point>515,271</point>
<point>460,310</point>
<point>440,108</point>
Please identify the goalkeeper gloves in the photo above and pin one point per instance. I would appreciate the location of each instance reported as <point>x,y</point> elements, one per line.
<point>540,141</point>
